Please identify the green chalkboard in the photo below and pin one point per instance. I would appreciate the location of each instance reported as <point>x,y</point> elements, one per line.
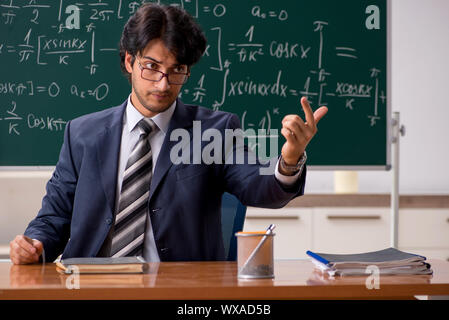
<point>262,56</point>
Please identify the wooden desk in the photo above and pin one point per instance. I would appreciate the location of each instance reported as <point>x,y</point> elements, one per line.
<point>294,279</point>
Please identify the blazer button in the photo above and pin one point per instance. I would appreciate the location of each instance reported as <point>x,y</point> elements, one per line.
<point>109,221</point>
<point>163,250</point>
<point>153,211</point>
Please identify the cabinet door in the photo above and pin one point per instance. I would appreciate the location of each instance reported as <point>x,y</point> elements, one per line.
<point>424,228</point>
<point>4,252</point>
<point>350,230</point>
<point>20,200</point>
<point>292,233</point>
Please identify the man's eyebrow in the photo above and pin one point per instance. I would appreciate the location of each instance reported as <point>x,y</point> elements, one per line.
<point>160,62</point>
<point>149,58</point>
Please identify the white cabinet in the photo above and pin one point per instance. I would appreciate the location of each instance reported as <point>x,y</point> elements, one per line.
<point>350,230</point>
<point>293,232</point>
<point>425,231</point>
<point>20,200</point>
<point>422,231</point>
<point>424,228</point>
<point>4,252</point>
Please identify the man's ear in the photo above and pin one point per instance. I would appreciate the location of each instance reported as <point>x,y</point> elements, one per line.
<point>129,62</point>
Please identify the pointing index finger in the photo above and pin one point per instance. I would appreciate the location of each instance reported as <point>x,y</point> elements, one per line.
<point>308,111</point>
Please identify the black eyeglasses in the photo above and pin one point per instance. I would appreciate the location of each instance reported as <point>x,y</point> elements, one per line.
<point>156,75</point>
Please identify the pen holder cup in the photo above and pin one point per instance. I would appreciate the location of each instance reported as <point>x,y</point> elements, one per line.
<point>255,262</point>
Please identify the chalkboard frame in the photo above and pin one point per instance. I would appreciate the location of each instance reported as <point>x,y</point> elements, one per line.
<point>388,142</point>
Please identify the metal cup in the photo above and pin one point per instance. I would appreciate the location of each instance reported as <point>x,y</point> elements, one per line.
<point>255,255</point>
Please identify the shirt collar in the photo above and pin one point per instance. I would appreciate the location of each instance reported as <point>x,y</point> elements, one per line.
<point>162,120</point>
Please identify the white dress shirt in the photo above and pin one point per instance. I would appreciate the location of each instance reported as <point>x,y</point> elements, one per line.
<point>130,136</point>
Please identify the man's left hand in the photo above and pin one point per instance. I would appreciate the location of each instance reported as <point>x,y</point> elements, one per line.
<point>299,133</point>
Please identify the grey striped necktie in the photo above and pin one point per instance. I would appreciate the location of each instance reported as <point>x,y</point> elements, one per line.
<point>130,221</point>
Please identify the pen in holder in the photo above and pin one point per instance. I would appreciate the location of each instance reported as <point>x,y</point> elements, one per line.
<point>255,254</point>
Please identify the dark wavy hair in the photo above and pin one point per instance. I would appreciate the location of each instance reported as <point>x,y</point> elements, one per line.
<point>179,32</point>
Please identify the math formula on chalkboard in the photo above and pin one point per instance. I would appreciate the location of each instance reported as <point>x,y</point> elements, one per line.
<point>59,60</point>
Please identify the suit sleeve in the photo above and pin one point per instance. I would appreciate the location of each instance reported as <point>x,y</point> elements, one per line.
<point>253,182</point>
<point>52,224</point>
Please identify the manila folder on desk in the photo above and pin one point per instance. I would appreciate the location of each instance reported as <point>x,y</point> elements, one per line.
<point>102,265</point>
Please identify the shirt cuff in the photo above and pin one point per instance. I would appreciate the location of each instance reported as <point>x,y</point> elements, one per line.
<point>286,180</point>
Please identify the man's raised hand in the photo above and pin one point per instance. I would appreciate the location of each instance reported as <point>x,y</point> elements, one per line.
<point>299,133</point>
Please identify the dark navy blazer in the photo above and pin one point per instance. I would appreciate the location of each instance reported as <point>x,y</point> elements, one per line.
<point>185,199</point>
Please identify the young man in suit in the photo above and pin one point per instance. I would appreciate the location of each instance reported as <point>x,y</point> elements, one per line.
<point>116,189</point>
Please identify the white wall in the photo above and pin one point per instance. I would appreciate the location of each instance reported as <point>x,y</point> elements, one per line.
<point>420,66</point>
<point>419,91</point>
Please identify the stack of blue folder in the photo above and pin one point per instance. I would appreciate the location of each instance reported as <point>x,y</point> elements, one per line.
<point>389,261</point>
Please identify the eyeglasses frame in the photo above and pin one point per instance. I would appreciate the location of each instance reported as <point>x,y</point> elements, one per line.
<point>163,74</point>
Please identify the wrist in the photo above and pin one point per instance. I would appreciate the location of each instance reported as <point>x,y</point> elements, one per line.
<point>291,162</point>
<point>283,170</point>
<point>289,169</point>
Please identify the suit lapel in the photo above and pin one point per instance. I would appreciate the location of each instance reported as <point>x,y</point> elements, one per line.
<point>181,119</point>
<point>108,151</point>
